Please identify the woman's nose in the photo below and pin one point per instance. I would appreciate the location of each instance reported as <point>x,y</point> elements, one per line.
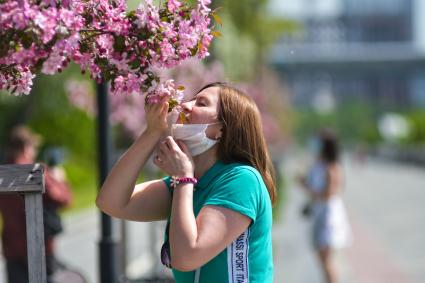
<point>186,106</point>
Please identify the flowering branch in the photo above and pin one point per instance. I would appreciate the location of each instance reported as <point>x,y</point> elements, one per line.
<point>102,37</point>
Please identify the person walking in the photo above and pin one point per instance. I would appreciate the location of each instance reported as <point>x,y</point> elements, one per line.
<point>22,148</point>
<point>323,184</point>
<point>219,192</point>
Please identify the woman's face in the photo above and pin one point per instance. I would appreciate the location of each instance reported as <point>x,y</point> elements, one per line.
<point>204,109</point>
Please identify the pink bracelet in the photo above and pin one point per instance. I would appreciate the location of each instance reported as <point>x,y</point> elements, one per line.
<point>183,180</point>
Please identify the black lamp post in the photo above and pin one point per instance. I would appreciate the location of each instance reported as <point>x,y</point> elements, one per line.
<point>107,245</point>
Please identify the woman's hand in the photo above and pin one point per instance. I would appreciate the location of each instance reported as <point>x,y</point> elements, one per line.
<point>156,116</point>
<point>174,158</point>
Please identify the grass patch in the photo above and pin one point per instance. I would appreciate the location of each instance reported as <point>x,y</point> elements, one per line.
<point>83,179</point>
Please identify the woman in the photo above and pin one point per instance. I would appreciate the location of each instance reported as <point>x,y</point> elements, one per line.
<point>218,198</point>
<point>323,184</point>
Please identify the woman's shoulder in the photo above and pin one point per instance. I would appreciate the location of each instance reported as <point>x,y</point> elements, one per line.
<point>242,173</point>
<point>241,168</point>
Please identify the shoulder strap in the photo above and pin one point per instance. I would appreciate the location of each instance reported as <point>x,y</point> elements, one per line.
<point>197,275</point>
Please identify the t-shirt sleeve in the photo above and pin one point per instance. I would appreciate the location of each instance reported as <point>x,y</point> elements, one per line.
<point>167,181</point>
<point>238,190</point>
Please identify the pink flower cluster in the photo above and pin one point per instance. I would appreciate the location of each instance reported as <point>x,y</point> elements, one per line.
<point>167,89</point>
<point>99,35</point>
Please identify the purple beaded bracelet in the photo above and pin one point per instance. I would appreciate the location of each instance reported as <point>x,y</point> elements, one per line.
<point>183,180</point>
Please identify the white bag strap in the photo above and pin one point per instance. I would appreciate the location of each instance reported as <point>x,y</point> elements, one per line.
<point>197,275</point>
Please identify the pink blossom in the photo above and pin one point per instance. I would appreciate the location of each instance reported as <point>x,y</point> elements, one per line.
<point>127,85</point>
<point>71,20</point>
<point>103,38</point>
<point>167,89</point>
<point>173,5</point>
<point>204,5</point>
<point>18,85</point>
<point>53,63</point>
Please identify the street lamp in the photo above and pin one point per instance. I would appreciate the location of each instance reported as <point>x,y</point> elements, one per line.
<point>107,244</point>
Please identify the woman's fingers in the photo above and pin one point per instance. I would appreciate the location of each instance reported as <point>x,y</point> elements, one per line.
<point>160,157</point>
<point>184,148</point>
<point>165,146</point>
<point>163,153</point>
<point>158,106</point>
<point>157,160</point>
<point>156,115</point>
<point>171,143</point>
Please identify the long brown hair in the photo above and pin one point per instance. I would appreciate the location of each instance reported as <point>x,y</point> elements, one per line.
<point>242,137</point>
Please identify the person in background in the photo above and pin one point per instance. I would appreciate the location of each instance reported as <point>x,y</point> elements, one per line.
<point>22,148</point>
<point>323,184</point>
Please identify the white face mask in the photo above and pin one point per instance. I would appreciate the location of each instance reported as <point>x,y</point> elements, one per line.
<point>193,135</point>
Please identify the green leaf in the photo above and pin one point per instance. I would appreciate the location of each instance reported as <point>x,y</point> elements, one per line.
<point>107,75</point>
<point>27,39</point>
<point>217,18</point>
<point>216,33</point>
<point>101,62</point>
<point>119,43</point>
<point>84,47</point>
<point>39,65</point>
<point>172,103</point>
<point>89,19</point>
<point>135,64</point>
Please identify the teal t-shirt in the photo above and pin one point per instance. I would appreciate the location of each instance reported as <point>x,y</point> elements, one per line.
<point>249,258</point>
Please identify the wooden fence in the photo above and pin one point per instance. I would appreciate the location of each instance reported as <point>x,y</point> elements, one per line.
<point>28,180</point>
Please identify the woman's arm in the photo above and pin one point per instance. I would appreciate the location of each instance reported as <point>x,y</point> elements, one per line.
<point>119,197</point>
<point>194,242</point>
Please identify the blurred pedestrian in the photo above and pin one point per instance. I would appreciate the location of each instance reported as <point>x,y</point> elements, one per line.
<point>323,184</point>
<point>219,193</point>
<point>22,148</point>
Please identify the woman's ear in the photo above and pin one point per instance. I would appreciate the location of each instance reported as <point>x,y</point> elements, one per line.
<point>220,132</point>
<point>214,131</point>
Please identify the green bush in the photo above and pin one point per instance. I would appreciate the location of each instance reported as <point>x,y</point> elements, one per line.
<point>352,121</point>
<point>416,120</point>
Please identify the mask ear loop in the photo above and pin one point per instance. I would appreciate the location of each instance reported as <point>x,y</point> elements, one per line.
<point>221,130</point>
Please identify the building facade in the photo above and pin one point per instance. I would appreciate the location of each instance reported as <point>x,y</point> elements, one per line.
<point>348,50</point>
